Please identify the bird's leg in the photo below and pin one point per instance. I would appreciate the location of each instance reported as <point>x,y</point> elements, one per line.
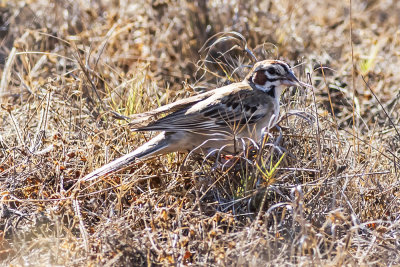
<point>278,141</point>
<point>277,145</point>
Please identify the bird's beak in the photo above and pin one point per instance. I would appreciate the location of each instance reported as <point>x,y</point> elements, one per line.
<point>291,80</point>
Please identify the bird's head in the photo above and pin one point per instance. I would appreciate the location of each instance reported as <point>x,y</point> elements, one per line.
<point>272,76</point>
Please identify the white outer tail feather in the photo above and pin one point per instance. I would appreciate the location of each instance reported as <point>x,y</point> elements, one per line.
<point>146,150</point>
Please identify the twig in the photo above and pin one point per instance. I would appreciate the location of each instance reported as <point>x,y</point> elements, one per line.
<point>330,103</point>
<point>355,134</point>
<point>383,108</point>
<point>6,73</point>
<point>81,224</point>
<point>41,126</point>
<point>318,130</point>
<point>15,124</point>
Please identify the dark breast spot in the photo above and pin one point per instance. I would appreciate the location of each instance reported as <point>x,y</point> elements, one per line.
<point>271,91</point>
<point>260,78</point>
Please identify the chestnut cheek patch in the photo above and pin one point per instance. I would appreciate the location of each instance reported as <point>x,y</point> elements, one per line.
<point>260,78</point>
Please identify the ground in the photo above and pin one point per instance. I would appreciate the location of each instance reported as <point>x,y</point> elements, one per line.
<point>323,191</point>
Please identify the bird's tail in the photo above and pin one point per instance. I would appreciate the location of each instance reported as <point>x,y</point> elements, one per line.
<point>157,145</point>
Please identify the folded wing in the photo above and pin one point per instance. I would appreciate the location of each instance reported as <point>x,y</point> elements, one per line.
<point>226,110</point>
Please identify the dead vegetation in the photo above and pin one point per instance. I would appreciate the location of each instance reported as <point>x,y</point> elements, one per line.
<point>332,198</point>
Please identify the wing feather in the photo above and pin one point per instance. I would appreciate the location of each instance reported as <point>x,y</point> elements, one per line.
<point>143,119</point>
<point>221,111</point>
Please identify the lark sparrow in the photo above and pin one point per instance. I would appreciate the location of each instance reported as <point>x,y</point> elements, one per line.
<point>216,119</point>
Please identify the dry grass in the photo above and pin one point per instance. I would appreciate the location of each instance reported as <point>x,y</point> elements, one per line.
<point>331,199</point>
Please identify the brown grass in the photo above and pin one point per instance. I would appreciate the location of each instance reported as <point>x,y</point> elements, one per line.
<point>331,199</point>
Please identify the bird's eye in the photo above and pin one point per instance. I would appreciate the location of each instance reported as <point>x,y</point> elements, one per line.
<point>271,71</point>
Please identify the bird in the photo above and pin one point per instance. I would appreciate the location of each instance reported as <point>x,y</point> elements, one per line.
<point>215,119</point>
